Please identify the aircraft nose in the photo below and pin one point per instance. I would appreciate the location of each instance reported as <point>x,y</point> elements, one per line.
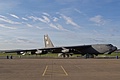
<point>114,48</point>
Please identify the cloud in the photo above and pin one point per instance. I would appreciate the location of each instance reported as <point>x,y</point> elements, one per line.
<point>46,14</point>
<point>39,27</point>
<point>14,16</point>
<point>70,21</point>
<point>46,19</point>
<point>4,26</point>
<point>33,18</point>
<point>53,26</point>
<point>80,12</point>
<point>55,19</point>
<point>98,20</point>
<point>5,19</point>
<point>29,25</point>
<point>57,26</point>
<point>2,16</point>
<point>60,27</point>
<point>24,18</point>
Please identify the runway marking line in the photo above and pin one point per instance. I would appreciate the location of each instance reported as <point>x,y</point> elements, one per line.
<point>45,71</point>
<point>64,71</point>
<point>46,68</point>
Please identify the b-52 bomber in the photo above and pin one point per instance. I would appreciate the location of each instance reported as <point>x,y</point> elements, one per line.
<point>66,51</point>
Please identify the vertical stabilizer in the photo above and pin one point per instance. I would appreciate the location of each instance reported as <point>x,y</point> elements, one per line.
<point>48,42</point>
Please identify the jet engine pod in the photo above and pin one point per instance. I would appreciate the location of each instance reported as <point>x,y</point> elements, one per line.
<point>41,52</point>
<point>65,50</point>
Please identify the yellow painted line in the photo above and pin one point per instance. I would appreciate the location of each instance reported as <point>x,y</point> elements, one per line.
<point>64,71</point>
<point>45,71</point>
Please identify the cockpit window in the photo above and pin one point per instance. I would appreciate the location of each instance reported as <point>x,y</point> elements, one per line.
<point>110,45</point>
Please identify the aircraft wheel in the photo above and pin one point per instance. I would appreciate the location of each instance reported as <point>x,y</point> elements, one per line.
<point>63,55</point>
<point>68,55</point>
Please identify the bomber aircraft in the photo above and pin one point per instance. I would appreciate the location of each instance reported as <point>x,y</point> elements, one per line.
<point>66,51</point>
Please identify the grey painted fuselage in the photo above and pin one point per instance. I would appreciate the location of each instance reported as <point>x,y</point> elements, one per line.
<point>99,49</point>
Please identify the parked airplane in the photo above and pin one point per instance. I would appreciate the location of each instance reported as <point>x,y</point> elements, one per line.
<point>88,50</point>
<point>66,51</point>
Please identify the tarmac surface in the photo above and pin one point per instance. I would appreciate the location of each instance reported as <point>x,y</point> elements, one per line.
<point>59,69</point>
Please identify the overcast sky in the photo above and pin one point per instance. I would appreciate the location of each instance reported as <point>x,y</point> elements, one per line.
<point>23,23</point>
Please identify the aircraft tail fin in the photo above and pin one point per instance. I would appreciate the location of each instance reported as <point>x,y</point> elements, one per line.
<point>48,42</point>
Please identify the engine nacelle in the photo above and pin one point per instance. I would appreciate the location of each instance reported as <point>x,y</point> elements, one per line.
<point>65,51</point>
<point>21,53</point>
<point>41,52</point>
<point>38,52</point>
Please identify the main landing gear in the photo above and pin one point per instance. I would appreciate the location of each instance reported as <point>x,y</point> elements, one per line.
<point>89,56</point>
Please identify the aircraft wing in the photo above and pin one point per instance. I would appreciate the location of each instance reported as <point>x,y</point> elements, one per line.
<point>53,49</point>
<point>67,49</point>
